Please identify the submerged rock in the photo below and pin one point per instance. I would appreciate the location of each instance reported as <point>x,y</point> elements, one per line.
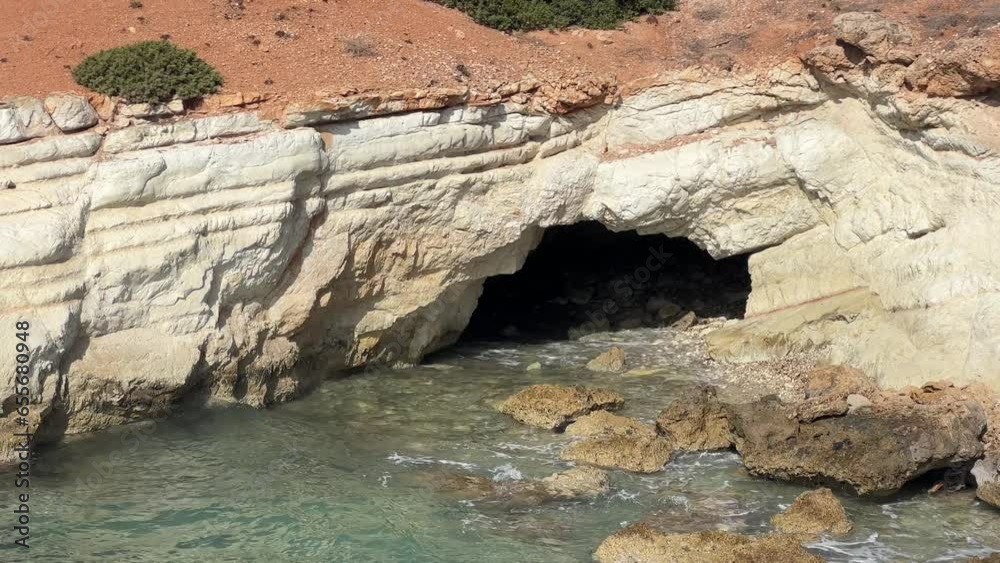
<point>693,512</point>
<point>874,450</point>
<point>696,421</point>
<point>640,454</point>
<point>642,543</point>
<point>604,423</point>
<point>577,482</point>
<point>570,484</point>
<point>813,513</point>
<point>553,406</point>
<point>612,361</point>
<point>987,474</point>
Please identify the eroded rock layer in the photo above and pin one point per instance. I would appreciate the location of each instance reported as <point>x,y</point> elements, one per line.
<point>241,257</point>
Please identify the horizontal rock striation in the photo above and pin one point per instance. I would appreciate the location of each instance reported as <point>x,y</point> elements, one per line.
<point>242,257</point>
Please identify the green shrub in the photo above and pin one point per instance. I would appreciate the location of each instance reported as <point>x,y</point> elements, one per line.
<point>150,71</point>
<point>523,15</point>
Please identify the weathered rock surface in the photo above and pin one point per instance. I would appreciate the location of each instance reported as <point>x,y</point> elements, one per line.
<point>987,474</point>
<point>874,451</point>
<point>11,129</point>
<point>612,361</point>
<point>636,453</point>
<point>112,382</point>
<point>642,543</point>
<point>827,390</point>
<point>696,421</point>
<point>877,36</point>
<point>553,406</point>
<point>865,202</point>
<point>35,120</point>
<point>604,423</point>
<point>70,112</point>
<point>813,513</point>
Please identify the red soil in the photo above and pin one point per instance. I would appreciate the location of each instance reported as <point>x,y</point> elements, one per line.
<point>297,48</point>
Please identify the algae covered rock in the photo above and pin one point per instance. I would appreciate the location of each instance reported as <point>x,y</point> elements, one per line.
<point>813,513</point>
<point>639,454</point>
<point>604,423</point>
<point>554,406</point>
<point>645,544</point>
<point>696,421</point>
<point>612,361</point>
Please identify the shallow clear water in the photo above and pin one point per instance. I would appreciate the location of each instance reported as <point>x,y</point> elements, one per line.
<point>346,475</point>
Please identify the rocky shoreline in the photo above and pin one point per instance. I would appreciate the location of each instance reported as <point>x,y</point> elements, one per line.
<point>834,428</point>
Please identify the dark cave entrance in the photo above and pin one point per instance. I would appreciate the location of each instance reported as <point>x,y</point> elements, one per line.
<point>584,278</point>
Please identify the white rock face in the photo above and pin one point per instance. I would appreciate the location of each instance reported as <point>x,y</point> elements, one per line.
<point>225,253</point>
<point>70,112</point>
<point>35,121</point>
<point>11,129</point>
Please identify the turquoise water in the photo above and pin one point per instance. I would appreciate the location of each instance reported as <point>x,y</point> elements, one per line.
<point>347,473</point>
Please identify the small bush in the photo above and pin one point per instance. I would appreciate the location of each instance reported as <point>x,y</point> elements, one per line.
<point>360,47</point>
<point>525,15</point>
<point>150,71</point>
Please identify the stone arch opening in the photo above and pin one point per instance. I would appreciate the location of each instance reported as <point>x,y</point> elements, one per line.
<point>584,278</point>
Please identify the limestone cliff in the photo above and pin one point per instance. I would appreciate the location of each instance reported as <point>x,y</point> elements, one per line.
<point>246,257</point>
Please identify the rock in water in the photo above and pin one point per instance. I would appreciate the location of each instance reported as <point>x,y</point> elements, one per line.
<point>696,421</point>
<point>612,361</point>
<point>604,423</point>
<point>577,482</point>
<point>642,543</point>
<point>569,484</point>
<point>814,513</point>
<point>685,322</point>
<point>987,474</point>
<point>874,451</point>
<point>640,454</point>
<point>554,406</point>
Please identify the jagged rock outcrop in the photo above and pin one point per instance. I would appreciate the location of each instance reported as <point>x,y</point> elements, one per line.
<point>252,249</point>
<point>875,452</point>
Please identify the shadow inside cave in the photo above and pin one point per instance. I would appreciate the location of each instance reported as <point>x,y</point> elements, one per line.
<point>584,278</point>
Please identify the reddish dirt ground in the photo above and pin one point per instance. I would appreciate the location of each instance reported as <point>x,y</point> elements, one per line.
<point>298,48</point>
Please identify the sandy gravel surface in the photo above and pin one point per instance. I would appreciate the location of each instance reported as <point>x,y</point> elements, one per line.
<point>298,48</point>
